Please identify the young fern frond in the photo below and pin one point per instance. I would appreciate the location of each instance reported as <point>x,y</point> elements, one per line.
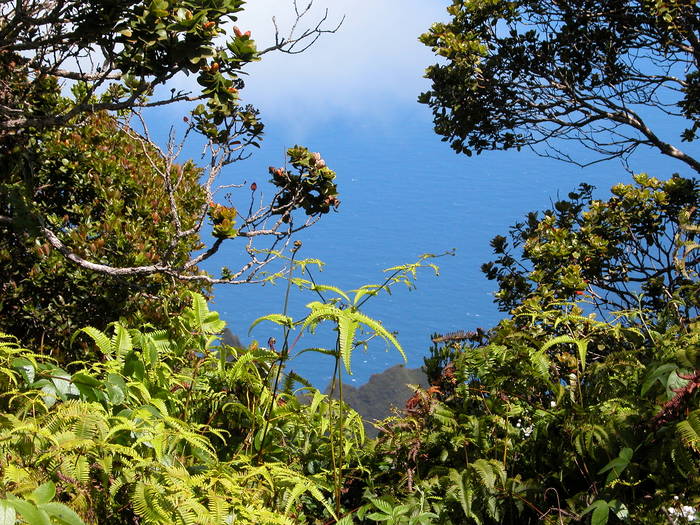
<point>379,329</point>
<point>348,320</point>
<point>347,327</point>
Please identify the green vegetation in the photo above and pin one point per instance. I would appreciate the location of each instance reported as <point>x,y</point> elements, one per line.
<point>97,222</point>
<point>99,186</point>
<point>622,253</point>
<point>163,429</point>
<point>554,416</point>
<point>537,73</point>
<point>120,404</point>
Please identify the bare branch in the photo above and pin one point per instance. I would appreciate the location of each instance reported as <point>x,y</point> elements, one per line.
<point>297,42</point>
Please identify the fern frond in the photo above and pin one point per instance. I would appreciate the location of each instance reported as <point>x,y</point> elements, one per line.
<point>293,495</point>
<point>689,431</point>
<point>347,327</point>
<point>379,329</point>
<point>121,343</point>
<point>146,502</point>
<point>463,492</point>
<point>484,469</point>
<point>100,338</point>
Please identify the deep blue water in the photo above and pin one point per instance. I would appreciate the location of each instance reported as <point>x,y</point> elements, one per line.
<point>404,193</point>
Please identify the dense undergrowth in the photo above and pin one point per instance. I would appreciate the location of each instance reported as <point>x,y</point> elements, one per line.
<point>553,416</point>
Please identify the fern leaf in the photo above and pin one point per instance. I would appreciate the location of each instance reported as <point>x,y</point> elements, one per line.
<point>320,312</point>
<point>689,357</point>
<point>347,520</point>
<point>347,327</point>
<point>218,508</point>
<point>293,495</point>
<point>100,338</point>
<point>282,320</point>
<point>145,502</point>
<point>121,340</point>
<point>199,309</point>
<point>328,288</point>
<point>485,470</point>
<point>581,346</point>
<point>379,329</point>
<point>689,431</point>
<point>316,493</point>
<point>541,363</point>
<point>461,485</point>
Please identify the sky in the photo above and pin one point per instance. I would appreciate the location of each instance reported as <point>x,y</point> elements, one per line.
<point>370,69</point>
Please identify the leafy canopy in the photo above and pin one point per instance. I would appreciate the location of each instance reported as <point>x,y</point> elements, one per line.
<point>634,249</point>
<point>100,187</point>
<point>537,73</point>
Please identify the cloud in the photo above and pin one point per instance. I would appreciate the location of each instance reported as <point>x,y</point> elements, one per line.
<point>374,63</point>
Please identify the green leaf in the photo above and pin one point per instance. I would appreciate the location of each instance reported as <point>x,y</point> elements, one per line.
<point>279,319</point>
<point>116,389</point>
<point>617,465</point>
<point>601,510</point>
<point>29,512</point>
<point>382,505</point>
<point>133,366</point>
<point>8,516</point>
<point>600,514</point>
<point>81,378</point>
<point>674,382</point>
<point>376,516</point>
<point>51,395</point>
<point>656,375</point>
<point>63,514</point>
<point>64,384</point>
<point>620,509</point>
<point>25,368</point>
<point>43,493</point>
<point>100,339</point>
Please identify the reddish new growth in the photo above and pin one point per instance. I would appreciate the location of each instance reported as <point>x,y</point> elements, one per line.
<point>672,409</point>
<point>422,401</point>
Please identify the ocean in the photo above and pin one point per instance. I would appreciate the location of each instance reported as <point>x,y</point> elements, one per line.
<point>403,193</point>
